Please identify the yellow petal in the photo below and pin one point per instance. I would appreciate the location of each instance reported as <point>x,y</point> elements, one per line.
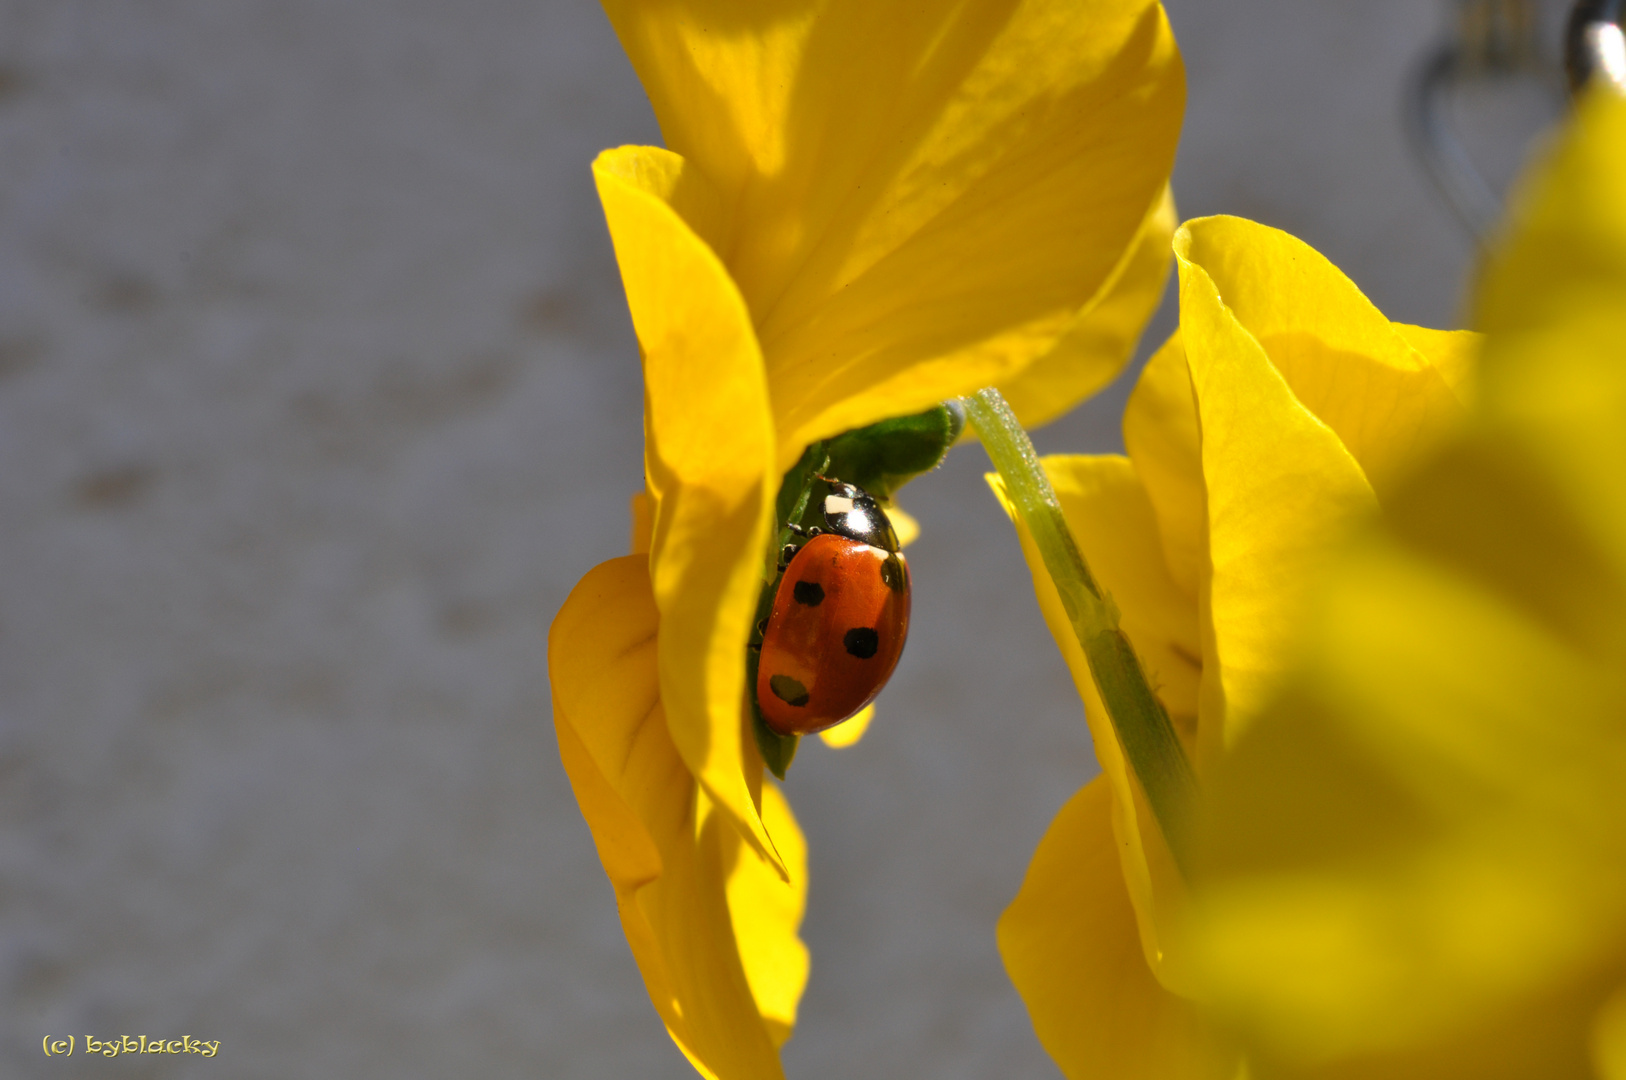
<point>1413,847</point>
<point>1453,353</point>
<point>848,733</point>
<point>662,846</point>
<point>1112,522</point>
<point>1422,842</point>
<point>1160,433</point>
<point>923,196</point>
<point>1609,1038</point>
<point>1110,517</point>
<point>1103,337</point>
<point>709,465</point>
<point>642,512</point>
<point>610,616</point>
<point>767,914</point>
<point>1416,866</point>
<point>1552,301</point>
<point>1068,942</point>
<point>1280,486</point>
<point>1345,363</point>
<point>1566,249</point>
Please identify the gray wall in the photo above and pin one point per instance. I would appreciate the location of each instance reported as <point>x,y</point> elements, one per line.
<point>317,395</point>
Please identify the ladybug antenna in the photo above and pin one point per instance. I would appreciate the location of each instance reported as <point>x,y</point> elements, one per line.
<point>833,482</point>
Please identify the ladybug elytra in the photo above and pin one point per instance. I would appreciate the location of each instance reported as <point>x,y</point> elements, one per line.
<point>839,618</point>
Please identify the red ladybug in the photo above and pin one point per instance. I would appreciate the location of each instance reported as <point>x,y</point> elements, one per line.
<point>839,618</point>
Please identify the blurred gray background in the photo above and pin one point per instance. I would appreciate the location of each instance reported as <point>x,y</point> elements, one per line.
<point>318,394</point>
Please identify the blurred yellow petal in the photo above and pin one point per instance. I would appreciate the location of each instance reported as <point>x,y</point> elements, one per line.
<point>1069,945</point>
<point>1414,845</point>
<point>709,464</point>
<point>767,914</point>
<point>1110,519</point>
<point>923,196</point>
<point>1609,1038</point>
<point>1280,486</point>
<point>1103,337</point>
<point>1552,299</point>
<point>1395,908</point>
<point>1540,1038</point>
<point>1416,865</point>
<point>1565,255</point>
<point>661,845</point>
<point>1449,778</point>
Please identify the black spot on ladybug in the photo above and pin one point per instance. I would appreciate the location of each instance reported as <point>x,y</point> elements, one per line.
<point>892,574</point>
<point>808,593</point>
<point>788,690</point>
<point>862,642</point>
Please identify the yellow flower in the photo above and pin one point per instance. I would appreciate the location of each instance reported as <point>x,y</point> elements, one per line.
<point>1284,409</point>
<point>1418,855</point>
<point>865,207</point>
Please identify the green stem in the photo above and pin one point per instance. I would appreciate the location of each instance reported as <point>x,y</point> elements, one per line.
<point>1148,738</point>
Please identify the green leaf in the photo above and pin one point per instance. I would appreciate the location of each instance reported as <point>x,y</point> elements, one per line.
<point>777,750</point>
<point>883,457</point>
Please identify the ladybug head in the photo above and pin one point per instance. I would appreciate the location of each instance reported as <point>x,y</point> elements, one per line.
<point>850,511</point>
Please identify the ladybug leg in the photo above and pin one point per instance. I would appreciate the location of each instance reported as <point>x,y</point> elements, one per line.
<point>786,554</point>
<point>795,529</point>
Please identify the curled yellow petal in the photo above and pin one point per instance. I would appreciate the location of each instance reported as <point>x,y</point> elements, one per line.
<point>1342,359</point>
<point>666,851</point>
<point>709,467</point>
<point>1280,486</point>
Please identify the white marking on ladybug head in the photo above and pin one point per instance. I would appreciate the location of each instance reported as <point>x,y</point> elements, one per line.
<point>836,504</point>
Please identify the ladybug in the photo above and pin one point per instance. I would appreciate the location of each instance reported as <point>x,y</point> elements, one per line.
<point>839,618</point>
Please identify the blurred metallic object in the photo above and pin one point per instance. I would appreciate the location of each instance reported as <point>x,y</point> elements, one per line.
<point>1493,39</point>
<point>1595,45</point>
